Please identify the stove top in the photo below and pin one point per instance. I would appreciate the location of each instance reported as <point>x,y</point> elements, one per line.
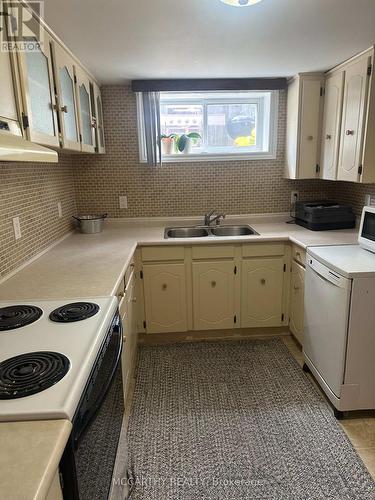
<point>44,365</point>
<point>17,316</point>
<point>31,373</point>
<point>76,311</point>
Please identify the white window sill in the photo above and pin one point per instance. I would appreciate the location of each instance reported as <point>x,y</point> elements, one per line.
<point>181,158</point>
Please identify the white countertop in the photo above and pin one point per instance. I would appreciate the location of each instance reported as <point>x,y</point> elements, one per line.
<point>350,261</point>
<point>92,265</point>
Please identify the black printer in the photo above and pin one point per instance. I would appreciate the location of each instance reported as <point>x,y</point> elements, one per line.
<point>323,215</point>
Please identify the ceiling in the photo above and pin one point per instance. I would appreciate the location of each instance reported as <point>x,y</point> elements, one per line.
<point>121,40</point>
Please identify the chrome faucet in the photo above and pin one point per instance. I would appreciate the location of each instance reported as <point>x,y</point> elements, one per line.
<point>213,216</point>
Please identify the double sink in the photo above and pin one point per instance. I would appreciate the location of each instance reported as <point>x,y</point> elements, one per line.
<point>205,231</point>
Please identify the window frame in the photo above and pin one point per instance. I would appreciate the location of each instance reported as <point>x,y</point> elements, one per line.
<point>220,156</point>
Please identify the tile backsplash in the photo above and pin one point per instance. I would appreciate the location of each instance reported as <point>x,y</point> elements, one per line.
<point>179,189</point>
<point>31,192</point>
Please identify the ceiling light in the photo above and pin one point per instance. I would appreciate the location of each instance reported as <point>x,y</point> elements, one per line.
<point>240,3</point>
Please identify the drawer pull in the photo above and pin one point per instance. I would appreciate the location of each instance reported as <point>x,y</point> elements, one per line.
<point>349,132</point>
<point>263,281</point>
<point>164,286</point>
<point>310,137</point>
<point>213,284</point>
<point>328,137</point>
<point>296,287</point>
<point>121,295</point>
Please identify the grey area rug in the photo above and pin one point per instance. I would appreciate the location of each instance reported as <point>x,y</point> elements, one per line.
<point>214,421</point>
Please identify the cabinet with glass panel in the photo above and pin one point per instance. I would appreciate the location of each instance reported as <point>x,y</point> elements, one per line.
<point>61,102</point>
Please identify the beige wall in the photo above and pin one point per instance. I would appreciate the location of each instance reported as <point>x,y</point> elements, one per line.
<point>31,192</point>
<point>182,188</point>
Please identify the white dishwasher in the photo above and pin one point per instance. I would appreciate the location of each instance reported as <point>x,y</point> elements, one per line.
<point>339,329</point>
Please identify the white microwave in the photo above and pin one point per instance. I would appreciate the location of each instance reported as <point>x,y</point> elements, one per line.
<point>366,237</point>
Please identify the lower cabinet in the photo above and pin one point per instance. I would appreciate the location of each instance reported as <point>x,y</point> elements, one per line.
<point>213,295</point>
<point>165,297</point>
<point>297,301</point>
<point>215,287</point>
<point>262,292</point>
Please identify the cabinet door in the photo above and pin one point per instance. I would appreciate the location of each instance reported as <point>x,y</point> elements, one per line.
<point>39,94</point>
<point>311,100</point>
<point>332,125</point>
<point>66,98</point>
<point>165,297</point>
<point>98,118</point>
<point>213,295</point>
<point>354,111</point>
<point>262,292</point>
<point>10,109</point>
<point>297,301</point>
<point>86,123</point>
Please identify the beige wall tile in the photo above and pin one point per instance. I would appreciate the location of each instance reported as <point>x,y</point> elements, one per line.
<point>31,192</point>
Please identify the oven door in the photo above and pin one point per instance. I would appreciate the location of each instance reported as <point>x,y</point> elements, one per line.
<point>89,458</point>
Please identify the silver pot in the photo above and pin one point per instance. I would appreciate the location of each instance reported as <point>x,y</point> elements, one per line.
<point>90,224</point>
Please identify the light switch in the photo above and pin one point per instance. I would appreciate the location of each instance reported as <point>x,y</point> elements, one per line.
<point>17,228</point>
<point>123,201</point>
<point>59,209</point>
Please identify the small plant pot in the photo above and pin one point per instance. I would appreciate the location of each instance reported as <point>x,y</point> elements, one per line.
<point>168,146</point>
<point>188,146</point>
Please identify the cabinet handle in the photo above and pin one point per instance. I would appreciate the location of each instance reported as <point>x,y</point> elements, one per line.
<point>349,132</point>
<point>328,137</point>
<point>296,287</point>
<point>213,284</point>
<point>164,287</point>
<point>64,109</point>
<point>263,281</point>
<point>134,299</point>
<point>121,295</point>
<point>310,137</point>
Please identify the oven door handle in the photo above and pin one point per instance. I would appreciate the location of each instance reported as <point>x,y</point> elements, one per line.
<point>95,407</point>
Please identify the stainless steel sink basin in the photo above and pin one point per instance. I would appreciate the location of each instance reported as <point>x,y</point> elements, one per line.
<point>204,231</point>
<point>186,232</point>
<point>233,231</point>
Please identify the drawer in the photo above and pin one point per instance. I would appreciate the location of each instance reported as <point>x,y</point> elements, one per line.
<point>299,255</point>
<point>263,249</point>
<point>161,253</point>
<point>212,251</point>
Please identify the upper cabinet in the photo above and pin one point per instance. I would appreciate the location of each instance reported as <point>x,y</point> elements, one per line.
<point>332,125</point>
<point>40,119</point>
<point>357,152</point>
<point>48,96</point>
<point>96,106</point>
<point>66,98</point>
<point>304,111</point>
<point>85,112</point>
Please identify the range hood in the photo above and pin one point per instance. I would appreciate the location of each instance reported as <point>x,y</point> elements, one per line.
<point>15,148</point>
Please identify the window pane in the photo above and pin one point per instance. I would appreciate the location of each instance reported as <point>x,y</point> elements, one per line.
<point>231,125</point>
<point>182,119</point>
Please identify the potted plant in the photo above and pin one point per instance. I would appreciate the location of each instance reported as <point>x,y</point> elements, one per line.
<point>168,144</point>
<point>186,141</point>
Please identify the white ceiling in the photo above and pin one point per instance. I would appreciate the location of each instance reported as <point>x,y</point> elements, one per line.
<point>126,39</point>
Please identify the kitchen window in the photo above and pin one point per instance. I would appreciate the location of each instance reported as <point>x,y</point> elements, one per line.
<point>199,126</point>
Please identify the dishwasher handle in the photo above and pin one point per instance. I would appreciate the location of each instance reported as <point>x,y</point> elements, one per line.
<point>328,275</point>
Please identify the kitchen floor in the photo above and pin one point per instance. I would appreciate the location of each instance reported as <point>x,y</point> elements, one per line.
<point>360,428</point>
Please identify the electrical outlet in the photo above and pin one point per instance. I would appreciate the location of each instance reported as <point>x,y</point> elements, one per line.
<point>294,196</point>
<point>369,200</point>
<point>123,201</point>
<point>59,209</point>
<point>17,228</point>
